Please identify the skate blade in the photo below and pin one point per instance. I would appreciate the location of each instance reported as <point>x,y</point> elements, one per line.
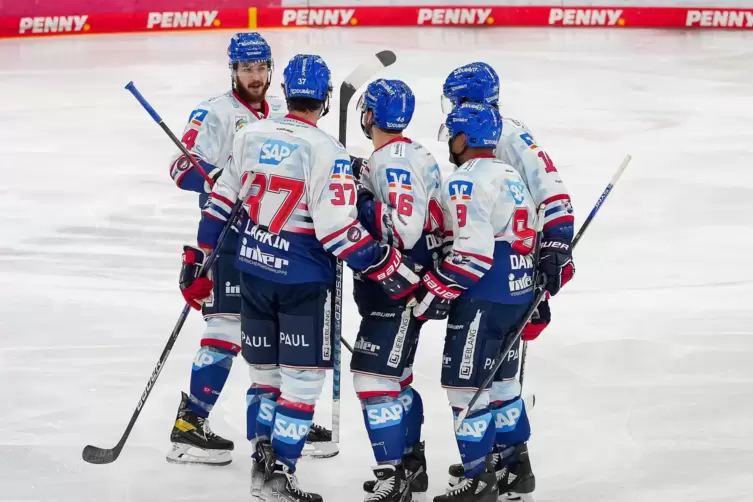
<point>187,454</point>
<point>453,481</point>
<point>515,497</point>
<point>320,449</point>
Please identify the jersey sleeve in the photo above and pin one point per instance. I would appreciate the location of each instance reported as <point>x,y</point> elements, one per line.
<point>332,193</point>
<point>468,229</point>
<point>544,182</point>
<point>203,136</point>
<point>224,194</point>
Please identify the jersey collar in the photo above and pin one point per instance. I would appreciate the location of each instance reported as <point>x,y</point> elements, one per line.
<point>265,107</point>
<point>300,119</point>
<point>399,139</point>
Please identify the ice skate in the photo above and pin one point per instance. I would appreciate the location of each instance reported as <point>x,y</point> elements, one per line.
<point>480,488</point>
<point>272,481</point>
<point>414,466</point>
<point>515,479</point>
<point>319,443</point>
<point>194,442</point>
<point>390,485</point>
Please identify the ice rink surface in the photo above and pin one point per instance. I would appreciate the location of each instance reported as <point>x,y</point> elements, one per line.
<point>644,380</point>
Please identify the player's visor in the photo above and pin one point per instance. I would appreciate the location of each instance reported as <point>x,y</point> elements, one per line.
<point>361,105</point>
<point>444,135</point>
<point>447,104</point>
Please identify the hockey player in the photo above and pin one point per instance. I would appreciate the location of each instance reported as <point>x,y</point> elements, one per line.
<point>489,216</point>
<point>209,137</point>
<point>399,205</point>
<point>478,82</point>
<point>298,216</point>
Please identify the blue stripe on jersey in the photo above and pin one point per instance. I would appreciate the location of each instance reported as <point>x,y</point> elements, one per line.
<point>509,281</point>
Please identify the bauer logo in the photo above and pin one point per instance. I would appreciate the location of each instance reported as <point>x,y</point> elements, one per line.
<point>473,429</point>
<point>274,151</point>
<point>318,17</point>
<point>384,414</point>
<point>53,24</point>
<point>185,19</point>
<point>455,16</point>
<point>720,18</point>
<point>507,418</point>
<point>290,430</point>
<point>586,17</point>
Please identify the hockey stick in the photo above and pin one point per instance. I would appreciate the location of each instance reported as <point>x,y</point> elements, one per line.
<point>131,87</point>
<point>96,455</point>
<point>540,296</point>
<point>352,82</point>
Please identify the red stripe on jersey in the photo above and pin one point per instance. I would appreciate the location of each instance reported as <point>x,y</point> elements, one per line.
<point>298,230</point>
<point>479,257</point>
<point>302,206</point>
<point>377,393</point>
<point>459,270</point>
<point>220,344</point>
<point>276,390</point>
<point>222,199</point>
<point>331,236</point>
<point>568,218</point>
<point>358,245</point>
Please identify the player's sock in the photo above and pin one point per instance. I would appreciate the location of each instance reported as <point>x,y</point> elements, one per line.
<point>475,438</point>
<point>511,424</point>
<point>211,368</point>
<point>413,419</point>
<point>383,416</point>
<point>291,426</point>
<point>261,402</point>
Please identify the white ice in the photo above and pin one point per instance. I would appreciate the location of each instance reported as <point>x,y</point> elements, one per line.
<point>644,380</point>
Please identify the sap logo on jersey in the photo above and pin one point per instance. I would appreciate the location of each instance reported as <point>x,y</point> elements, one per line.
<point>384,414</point>
<point>460,190</point>
<point>266,411</point>
<point>290,430</point>
<point>507,418</point>
<point>398,178</point>
<point>274,151</point>
<point>473,429</point>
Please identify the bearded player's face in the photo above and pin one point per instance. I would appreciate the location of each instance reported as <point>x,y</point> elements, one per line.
<point>252,80</point>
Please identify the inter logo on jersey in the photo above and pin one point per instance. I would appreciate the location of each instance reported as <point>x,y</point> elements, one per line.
<point>274,151</point>
<point>342,170</point>
<point>197,117</point>
<point>460,190</point>
<point>398,178</point>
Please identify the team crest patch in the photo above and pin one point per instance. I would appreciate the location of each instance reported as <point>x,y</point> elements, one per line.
<point>354,234</point>
<point>240,122</point>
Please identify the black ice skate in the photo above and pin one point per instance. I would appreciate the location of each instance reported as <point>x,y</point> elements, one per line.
<point>414,465</point>
<point>480,488</point>
<point>390,485</point>
<point>319,443</point>
<point>194,442</point>
<point>515,479</point>
<point>272,481</point>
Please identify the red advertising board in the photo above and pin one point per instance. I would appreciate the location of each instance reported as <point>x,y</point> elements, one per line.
<point>353,17</point>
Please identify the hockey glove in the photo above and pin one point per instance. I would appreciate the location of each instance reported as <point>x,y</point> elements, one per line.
<point>539,321</point>
<point>395,273</point>
<point>358,164</point>
<point>556,263</point>
<point>196,290</point>
<point>435,296</point>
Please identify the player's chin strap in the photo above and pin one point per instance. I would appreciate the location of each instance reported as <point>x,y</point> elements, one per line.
<point>539,297</point>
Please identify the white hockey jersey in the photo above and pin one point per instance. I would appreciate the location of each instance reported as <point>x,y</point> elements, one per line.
<point>518,148</point>
<point>490,219</point>
<point>406,182</point>
<point>209,134</point>
<point>300,210</point>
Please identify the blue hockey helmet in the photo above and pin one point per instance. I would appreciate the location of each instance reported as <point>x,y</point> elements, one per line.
<point>307,76</point>
<point>248,48</point>
<point>391,101</point>
<point>481,124</point>
<point>475,82</point>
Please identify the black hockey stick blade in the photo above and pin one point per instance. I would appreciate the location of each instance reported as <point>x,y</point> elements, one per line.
<point>96,455</point>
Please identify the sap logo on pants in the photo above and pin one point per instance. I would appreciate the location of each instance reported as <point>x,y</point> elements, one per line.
<point>473,429</point>
<point>289,430</point>
<point>266,411</point>
<point>206,357</point>
<point>384,414</point>
<point>406,397</point>
<point>507,417</point>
